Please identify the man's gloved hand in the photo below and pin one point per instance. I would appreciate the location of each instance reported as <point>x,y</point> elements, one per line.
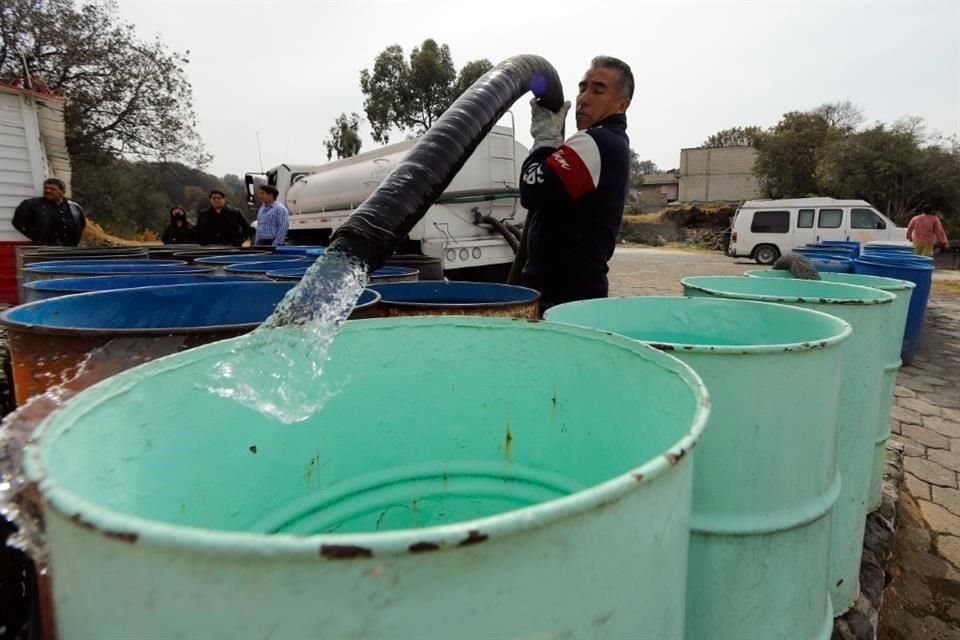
<point>547,126</point>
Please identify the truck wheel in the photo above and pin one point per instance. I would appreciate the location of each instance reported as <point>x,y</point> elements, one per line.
<point>766,254</point>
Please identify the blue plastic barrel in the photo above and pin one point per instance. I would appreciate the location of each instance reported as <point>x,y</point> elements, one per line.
<point>50,339</point>
<point>45,289</point>
<point>837,249</point>
<point>117,262</point>
<point>894,245</point>
<point>316,251</point>
<point>832,265</point>
<point>917,272</point>
<point>247,259</point>
<point>822,252</point>
<point>897,257</point>
<point>854,247</point>
<point>383,274</point>
<point>437,297</point>
<point>297,249</point>
<point>50,271</point>
<point>826,261</point>
<point>260,268</point>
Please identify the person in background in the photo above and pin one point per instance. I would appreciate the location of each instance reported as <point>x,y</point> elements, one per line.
<point>925,231</point>
<point>272,219</point>
<point>178,230</point>
<point>51,220</point>
<point>574,190</point>
<point>221,224</point>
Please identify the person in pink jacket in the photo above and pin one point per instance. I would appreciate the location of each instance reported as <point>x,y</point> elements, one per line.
<point>924,231</point>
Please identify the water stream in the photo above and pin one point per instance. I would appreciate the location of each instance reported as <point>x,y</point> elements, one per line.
<point>292,344</point>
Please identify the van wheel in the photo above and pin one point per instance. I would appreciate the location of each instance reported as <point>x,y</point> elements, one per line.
<point>766,253</point>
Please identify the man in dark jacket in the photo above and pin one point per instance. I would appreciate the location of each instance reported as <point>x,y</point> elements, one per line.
<point>51,220</point>
<point>221,223</point>
<point>574,191</point>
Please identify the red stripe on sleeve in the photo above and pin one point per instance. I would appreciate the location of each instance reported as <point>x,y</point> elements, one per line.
<point>573,173</point>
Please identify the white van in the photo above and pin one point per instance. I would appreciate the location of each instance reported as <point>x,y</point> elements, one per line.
<point>766,229</point>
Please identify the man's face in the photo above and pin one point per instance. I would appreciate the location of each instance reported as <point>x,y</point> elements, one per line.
<point>217,201</point>
<point>52,192</point>
<point>265,198</point>
<point>599,97</point>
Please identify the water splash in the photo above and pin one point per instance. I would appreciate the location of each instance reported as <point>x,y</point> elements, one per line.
<point>20,501</point>
<point>265,369</point>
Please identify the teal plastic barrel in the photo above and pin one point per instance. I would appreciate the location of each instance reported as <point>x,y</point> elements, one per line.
<point>864,358</point>
<point>896,326</point>
<point>765,475</point>
<point>510,508</point>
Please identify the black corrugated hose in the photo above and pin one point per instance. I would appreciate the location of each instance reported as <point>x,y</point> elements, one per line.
<point>376,227</point>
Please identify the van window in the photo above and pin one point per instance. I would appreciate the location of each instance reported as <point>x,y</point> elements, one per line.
<point>805,219</point>
<point>770,222</point>
<point>830,218</point>
<point>866,219</point>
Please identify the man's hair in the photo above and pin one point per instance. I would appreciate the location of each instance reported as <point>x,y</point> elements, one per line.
<point>176,207</point>
<point>925,208</point>
<point>56,182</point>
<point>217,192</point>
<point>269,188</point>
<point>626,75</point>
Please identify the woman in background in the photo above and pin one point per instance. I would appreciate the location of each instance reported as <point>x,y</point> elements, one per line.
<point>178,231</point>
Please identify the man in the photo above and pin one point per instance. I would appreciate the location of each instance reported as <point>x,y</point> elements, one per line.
<point>272,218</point>
<point>221,223</point>
<point>51,220</point>
<point>575,190</point>
<point>925,230</point>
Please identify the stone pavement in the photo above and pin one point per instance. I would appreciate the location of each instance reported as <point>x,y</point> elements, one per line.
<point>922,601</point>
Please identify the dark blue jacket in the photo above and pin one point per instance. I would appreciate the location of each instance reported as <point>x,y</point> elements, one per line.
<point>49,223</point>
<point>574,196</point>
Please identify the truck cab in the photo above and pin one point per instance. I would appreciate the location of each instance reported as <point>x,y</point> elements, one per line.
<point>281,176</point>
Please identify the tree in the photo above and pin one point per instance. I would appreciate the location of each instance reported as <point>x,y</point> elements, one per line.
<point>127,198</point>
<point>470,73</point>
<point>733,137</point>
<point>845,115</point>
<point>640,168</point>
<point>344,137</point>
<point>787,155</point>
<point>410,96</point>
<point>893,168</point>
<point>124,96</point>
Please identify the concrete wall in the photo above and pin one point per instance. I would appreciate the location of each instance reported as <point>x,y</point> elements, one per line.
<point>720,174</point>
<point>656,195</point>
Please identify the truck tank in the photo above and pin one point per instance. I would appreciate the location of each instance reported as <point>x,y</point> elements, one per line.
<point>344,184</point>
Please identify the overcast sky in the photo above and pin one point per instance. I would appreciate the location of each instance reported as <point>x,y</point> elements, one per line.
<point>286,69</point>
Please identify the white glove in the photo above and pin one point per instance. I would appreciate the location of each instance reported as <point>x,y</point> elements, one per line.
<point>547,126</point>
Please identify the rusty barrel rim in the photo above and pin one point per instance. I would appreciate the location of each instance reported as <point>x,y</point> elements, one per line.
<point>297,273</point>
<point>416,294</point>
<point>726,287</point>
<point>738,349</point>
<point>345,546</point>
